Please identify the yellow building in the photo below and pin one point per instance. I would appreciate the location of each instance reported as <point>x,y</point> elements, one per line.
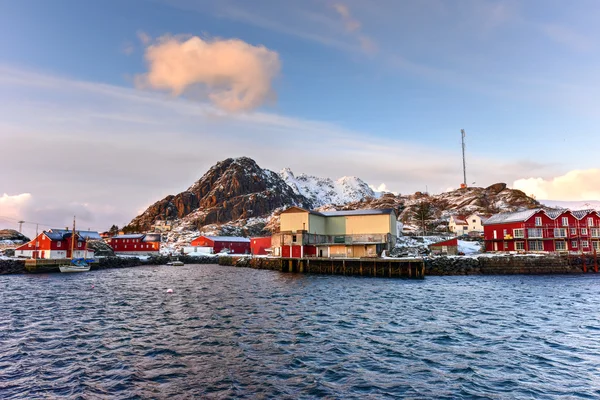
<point>355,234</point>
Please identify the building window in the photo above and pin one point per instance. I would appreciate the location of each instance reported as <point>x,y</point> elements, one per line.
<point>495,246</point>
<point>519,245</point>
<point>58,244</point>
<point>536,245</point>
<point>505,232</point>
<point>596,245</point>
<point>560,245</point>
<point>43,237</point>
<point>538,221</point>
<point>474,221</point>
<point>505,245</point>
<point>535,232</point>
<point>565,221</point>
<point>519,233</point>
<point>495,235</point>
<point>585,244</point>
<point>78,244</point>
<point>595,232</point>
<point>573,244</point>
<point>590,221</point>
<point>294,238</point>
<point>584,231</point>
<point>560,232</point>
<point>573,231</point>
<point>125,246</point>
<point>135,246</point>
<point>465,228</point>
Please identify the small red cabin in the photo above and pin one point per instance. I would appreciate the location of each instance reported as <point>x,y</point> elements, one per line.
<point>260,245</point>
<point>231,244</point>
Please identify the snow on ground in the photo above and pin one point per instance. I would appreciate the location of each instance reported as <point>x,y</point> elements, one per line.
<point>468,248</point>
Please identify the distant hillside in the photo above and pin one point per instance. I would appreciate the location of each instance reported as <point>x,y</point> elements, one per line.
<point>237,197</point>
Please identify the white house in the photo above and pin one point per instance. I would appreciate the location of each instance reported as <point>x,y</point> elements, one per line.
<point>467,225</point>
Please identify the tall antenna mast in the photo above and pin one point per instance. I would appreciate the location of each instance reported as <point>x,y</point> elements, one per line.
<point>462,132</point>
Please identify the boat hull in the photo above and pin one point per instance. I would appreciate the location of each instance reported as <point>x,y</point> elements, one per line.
<point>74,268</point>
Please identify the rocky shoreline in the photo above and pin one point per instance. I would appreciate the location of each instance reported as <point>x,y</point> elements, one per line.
<point>440,266</point>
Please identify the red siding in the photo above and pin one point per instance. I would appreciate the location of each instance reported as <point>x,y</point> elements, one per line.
<point>45,244</point>
<point>575,233</point>
<point>131,245</point>
<point>234,246</point>
<point>259,245</point>
<point>309,251</point>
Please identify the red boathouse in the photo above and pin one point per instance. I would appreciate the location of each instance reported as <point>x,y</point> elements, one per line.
<point>232,244</point>
<point>542,230</point>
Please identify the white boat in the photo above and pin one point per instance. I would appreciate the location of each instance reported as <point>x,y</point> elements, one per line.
<point>175,263</point>
<point>74,268</point>
<point>77,264</point>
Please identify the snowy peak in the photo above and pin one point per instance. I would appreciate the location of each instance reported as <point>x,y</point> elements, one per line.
<point>323,191</point>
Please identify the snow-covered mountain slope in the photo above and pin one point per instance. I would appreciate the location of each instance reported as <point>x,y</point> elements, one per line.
<point>323,191</point>
<point>572,205</point>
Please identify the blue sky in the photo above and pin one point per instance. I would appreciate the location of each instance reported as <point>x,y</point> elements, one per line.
<point>377,89</point>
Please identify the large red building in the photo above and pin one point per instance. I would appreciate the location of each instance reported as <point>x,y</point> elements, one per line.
<point>136,244</point>
<point>231,244</point>
<point>540,230</point>
<point>56,244</point>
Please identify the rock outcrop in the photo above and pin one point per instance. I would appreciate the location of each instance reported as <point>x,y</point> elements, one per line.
<point>233,189</point>
<point>12,235</point>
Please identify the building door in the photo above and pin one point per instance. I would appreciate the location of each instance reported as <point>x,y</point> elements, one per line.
<point>495,245</point>
<point>320,252</point>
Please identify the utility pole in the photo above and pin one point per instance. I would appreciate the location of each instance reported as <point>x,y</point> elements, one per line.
<point>21,226</point>
<point>36,241</point>
<point>462,134</point>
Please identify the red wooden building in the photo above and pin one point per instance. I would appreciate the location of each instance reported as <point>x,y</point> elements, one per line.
<point>260,245</point>
<point>448,247</point>
<point>56,244</point>
<point>136,244</point>
<point>541,230</point>
<point>231,244</point>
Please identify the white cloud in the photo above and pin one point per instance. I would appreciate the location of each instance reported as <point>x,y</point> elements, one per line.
<point>574,185</point>
<point>12,206</point>
<point>236,75</point>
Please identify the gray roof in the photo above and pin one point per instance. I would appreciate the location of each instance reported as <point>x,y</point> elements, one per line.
<point>353,212</point>
<point>56,235</point>
<point>92,235</point>
<point>228,239</point>
<point>579,214</point>
<point>505,218</point>
<point>129,236</point>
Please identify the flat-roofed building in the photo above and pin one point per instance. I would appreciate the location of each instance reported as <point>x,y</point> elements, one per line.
<point>353,233</point>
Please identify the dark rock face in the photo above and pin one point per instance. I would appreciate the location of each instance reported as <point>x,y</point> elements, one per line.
<point>496,188</point>
<point>101,249</point>
<point>232,189</point>
<point>11,234</point>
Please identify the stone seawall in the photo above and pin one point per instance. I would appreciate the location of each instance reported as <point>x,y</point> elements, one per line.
<point>12,267</point>
<point>507,265</point>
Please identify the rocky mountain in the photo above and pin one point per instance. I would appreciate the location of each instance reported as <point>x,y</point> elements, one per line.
<point>237,197</point>
<point>13,236</point>
<point>324,191</point>
<point>233,189</point>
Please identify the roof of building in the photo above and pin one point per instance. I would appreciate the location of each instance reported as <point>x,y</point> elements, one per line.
<point>459,219</point>
<point>505,218</point>
<point>92,235</point>
<point>448,242</point>
<point>341,213</point>
<point>355,212</point>
<point>580,214</point>
<point>227,239</point>
<point>129,236</point>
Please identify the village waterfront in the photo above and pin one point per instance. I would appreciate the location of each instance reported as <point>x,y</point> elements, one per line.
<point>226,332</point>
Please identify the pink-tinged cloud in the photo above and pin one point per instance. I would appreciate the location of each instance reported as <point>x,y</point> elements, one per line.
<point>574,185</point>
<point>237,76</point>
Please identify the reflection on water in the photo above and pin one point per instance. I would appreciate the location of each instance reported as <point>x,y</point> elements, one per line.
<point>234,333</point>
